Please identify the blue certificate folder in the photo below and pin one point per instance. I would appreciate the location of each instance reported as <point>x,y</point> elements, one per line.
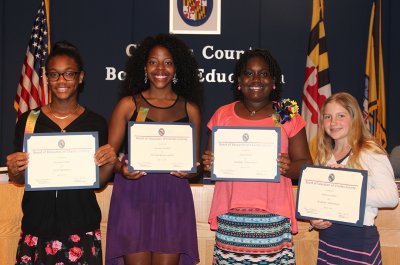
<point>332,194</point>
<point>59,158</point>
<point>246,153</point>
<point>162,147</point>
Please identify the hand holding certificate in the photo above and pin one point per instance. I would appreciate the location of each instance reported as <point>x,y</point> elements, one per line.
<point>337,195</point>
<point>246,153</point>
<point>61,161</point>
<point>161,147</point>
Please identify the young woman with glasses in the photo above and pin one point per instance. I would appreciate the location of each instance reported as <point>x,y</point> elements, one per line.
<point>61,226</point>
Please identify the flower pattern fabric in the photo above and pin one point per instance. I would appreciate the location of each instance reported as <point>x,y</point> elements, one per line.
<point>79,249</point>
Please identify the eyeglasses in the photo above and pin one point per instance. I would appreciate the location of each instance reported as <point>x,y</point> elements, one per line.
<point>68,75</point>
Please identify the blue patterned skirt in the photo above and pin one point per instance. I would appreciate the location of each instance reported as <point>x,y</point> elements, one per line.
<point>252,236</point>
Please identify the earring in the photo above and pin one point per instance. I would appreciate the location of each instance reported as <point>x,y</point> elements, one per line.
<point>175,79</point>
<point>273,87</point>
<point>145,77</point>
<point>238,87</point>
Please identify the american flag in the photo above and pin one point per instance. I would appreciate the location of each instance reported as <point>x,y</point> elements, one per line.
<point>32,89</point>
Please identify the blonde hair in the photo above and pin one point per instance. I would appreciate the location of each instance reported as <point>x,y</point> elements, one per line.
<point>359,138</point>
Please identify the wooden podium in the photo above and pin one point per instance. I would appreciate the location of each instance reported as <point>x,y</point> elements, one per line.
<point>306,243</point>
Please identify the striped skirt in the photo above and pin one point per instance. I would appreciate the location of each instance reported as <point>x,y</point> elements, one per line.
<point>343,244</point>
<point>252,236</point>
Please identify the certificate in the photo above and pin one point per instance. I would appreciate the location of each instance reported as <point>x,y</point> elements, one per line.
<point>246,153</point>
<point>336,195</point>
<point>161,147</point>
<point>60,161</point>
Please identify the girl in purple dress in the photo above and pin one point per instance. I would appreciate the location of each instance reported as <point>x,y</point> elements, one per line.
<point>152,219</point>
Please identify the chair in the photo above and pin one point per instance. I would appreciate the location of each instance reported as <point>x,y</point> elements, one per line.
<point>395,161</point>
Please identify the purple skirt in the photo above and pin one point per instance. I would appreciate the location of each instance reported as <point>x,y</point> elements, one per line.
<point>152,214</point>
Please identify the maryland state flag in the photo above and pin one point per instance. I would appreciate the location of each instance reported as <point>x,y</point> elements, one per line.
<point>374,104</point>
<point>195,9</point>
<point>317,86</point>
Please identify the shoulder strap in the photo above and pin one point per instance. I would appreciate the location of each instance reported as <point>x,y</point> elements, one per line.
<point>142,111</point>
<point>142,114</point>
<point>31,121</point>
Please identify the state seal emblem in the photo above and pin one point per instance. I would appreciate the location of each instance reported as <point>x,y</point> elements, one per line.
<point>195,12</point>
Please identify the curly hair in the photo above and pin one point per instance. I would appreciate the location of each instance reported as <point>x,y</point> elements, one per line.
<point>359,138</point>
<point>187,72</point>
<point>274,71</point>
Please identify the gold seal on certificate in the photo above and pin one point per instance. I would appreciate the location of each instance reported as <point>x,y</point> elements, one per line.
<point>246,153</point>
<point>333,194</point>
<point>60,161</point>
<point>161,147</point>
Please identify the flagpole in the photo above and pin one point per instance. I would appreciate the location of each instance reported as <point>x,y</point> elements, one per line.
<point>47,4</point>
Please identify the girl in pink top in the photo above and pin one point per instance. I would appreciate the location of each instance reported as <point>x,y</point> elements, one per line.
<point>254,221</point>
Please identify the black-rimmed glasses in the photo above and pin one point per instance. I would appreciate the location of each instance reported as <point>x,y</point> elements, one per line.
<point>68,75</point>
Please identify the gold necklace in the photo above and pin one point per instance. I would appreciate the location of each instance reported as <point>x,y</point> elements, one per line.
<point>253,112</point>
<point>62,117</point>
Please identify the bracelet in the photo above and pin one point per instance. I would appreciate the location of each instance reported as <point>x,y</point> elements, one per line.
<point>310,228</point>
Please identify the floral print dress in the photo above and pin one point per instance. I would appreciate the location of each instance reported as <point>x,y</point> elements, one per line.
<point>60,227</point>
